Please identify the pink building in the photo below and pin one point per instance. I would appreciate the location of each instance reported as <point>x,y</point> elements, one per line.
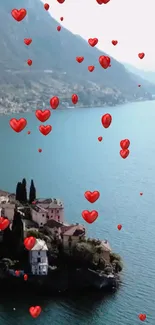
<point>47,209</point>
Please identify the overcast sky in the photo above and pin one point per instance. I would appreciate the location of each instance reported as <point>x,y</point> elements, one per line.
<point>131,22</point>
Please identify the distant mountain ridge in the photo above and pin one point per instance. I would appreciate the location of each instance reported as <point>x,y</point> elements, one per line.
<point>57,51</point>
<point>147,75</point>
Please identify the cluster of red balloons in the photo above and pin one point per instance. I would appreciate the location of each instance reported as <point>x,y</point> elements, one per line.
<point>124,152</point>
<point>54,101</point>
<point>106,120</point>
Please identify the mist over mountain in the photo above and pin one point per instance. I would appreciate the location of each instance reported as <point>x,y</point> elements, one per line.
<point>147,75</point>
<point>54,70</point>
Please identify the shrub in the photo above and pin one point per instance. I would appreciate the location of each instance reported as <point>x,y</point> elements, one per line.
<point>114,256</point>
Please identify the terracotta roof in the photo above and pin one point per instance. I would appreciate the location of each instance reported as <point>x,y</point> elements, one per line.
<point>73,229</point>
<point>30,223</point>
<point>50,203</point>
<point>106,245</point>
<point>53,223</point>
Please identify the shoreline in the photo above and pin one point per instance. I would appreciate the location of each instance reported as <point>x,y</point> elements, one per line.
<point>80,107</point>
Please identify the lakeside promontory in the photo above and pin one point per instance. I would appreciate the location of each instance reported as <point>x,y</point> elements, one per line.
<point>39,251</point>
<point>54,70</point>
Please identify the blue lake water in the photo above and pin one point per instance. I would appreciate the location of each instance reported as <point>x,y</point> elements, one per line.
<point>72,161</point>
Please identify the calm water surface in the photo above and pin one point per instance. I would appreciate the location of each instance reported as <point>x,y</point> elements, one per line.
<point>73,161</point>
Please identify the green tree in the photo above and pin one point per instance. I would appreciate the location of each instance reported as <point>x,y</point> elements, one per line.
<point>32,194</point>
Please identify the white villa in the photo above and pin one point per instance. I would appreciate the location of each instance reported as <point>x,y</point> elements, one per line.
<point>38,258</point>
<point>46,209</point>
<point>7,207</point>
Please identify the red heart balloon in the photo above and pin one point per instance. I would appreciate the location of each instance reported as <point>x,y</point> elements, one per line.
<point>18,125</point>
<point>100,139</point>
<point>54,102</point>
<point>92,41</point>
<point>79,59</point>
<point>114,42</point>
<point>59,28</point>
<point>43,116</point>
<point>45,129</point>
<point>29,62</point>
<point>29,242</point>
<point>125,144</point>
<point>124,153</point>
<point>106,120</point>
<point>17,273</point>
<point>74,99</point>
<point>25,277</point>
<point>104,61</point>
<point>4,223</point>
<point>46,6</point>
<point>142,317</point>
<point>100,2</point>
<point>89,216</point>
<point>61,1</point>
<point>119,227</point>
<point>35,311</point>
<point>92,196</point>
<point>91,68</point>
<point>19,15</point>
<point>27,41</point>
<point>141,55</point>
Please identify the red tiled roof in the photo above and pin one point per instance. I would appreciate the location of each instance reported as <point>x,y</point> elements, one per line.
<point>72,230</point>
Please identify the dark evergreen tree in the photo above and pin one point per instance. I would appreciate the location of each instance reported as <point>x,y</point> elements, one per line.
<point>24,191</point>
<point>15,219</point>
<point>32,194</point>
<point>7,236</point>
<point>18,192</point>
<point>17,232</point>
<point>24,182</point>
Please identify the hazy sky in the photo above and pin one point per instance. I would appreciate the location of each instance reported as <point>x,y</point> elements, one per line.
<point>131,22</point>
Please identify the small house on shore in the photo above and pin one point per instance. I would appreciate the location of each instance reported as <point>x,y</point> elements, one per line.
<point>105,251</point>
<point>72,235</point>
<point>7,205</point>
<point>38,258</point>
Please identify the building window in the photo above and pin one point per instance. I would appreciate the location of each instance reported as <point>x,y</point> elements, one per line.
<point>58,218</point>
<point>52,211</point>
<point>47,217</point>
<point>57,211</point>
<point>41,224</point>
<point>43,215</point>
<point>39,260</point>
